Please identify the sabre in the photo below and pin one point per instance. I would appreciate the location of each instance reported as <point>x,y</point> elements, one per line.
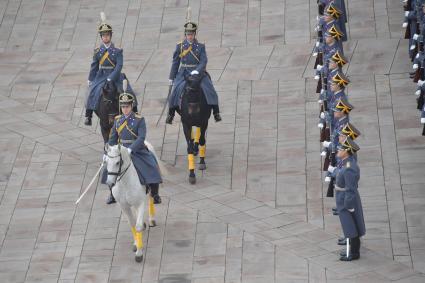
<point>165,105</point>
<point>90,184</point>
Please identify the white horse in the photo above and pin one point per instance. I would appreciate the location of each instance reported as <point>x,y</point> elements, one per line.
<point>129,193</point>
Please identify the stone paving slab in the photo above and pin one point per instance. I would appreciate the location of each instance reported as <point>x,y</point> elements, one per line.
<point>258,213</point>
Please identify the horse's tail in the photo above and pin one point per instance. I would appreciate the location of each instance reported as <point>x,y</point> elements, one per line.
<point>163,170</point>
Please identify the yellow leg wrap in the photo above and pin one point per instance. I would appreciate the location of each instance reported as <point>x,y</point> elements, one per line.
<point>151,207</point>
<point>202,151</point>
<point>139,240</point>
<point>196,134</point>
<point>191,161</point>
<point>133,231</point>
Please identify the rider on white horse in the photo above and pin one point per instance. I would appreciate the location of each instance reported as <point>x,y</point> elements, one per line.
<point>129,130</point>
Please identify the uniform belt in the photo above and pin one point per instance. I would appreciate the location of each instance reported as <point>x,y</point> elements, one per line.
<point>127,141</point>
<point>339,189</point>
<point>188,66</point>
<point>106,67</point>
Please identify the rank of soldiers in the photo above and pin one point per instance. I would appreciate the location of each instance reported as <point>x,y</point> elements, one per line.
<point>414,22</point>
<point>337,133</point>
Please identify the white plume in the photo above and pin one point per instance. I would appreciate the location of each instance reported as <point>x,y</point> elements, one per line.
<point>124,85</point>
<point>102,17</point>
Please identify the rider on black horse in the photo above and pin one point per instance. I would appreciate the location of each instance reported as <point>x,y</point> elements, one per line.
<point>105,68</point>
<point>190,58</point>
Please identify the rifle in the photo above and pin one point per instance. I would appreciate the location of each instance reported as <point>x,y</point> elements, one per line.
<point>331,186</point>
<point>418,73</point>
<point>407,34</point>
<point>423,131</point>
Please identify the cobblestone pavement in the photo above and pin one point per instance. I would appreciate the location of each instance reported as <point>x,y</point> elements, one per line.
<point>258,214</point>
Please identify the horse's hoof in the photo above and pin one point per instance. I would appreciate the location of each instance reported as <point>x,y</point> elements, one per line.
<point>134,248</point>
<point>138,258</point>
<point>202,166</point>
<point>152,223</point>
<point>192,180</point>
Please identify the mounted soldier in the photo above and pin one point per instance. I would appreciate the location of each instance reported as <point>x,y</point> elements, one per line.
<point>105,69</point>
<point>130,131</point>
<point>190,58</point>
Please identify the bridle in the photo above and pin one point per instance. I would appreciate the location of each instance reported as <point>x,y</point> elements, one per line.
<point>120,173</point>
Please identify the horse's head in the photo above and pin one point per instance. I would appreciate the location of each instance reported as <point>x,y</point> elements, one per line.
<point>110,100</point>
<point>193,83</point>
<point>114,163</point>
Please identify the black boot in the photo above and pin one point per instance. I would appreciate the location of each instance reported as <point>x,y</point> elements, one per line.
<point>154,188</point>
<point>170,116</point>
<point>354,250</point>
<point>110,199</point>
<point>216,112</point>
<point>89,115</point>
<point>342,241</point>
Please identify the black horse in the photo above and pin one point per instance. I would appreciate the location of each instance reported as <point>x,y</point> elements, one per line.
<point>109,108</point>
<point>195,113</point>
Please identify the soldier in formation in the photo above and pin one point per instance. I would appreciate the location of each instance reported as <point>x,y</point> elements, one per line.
<point>337,133</point>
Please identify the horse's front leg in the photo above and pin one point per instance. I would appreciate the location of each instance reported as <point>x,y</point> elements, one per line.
<point>190,156</point>
<point>132,221</point>
<point>202,148</point>
<point>196,134</point>
<point>140,227</point>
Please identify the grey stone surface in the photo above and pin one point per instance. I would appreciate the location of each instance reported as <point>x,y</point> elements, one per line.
<point>258,213</point>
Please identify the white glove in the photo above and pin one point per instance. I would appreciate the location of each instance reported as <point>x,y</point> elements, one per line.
<point>314,54</point>
<point>108,79</point>
<point>319,67</point>
<point>194,72</point>
<point>351,210</point>
<point>326,144</point>
<point>129,150</point>
<point>420,82</point>
<point>88,83</point>
<point>318,18</point>
<point>415,66</point>
<point>317,43</point>
<point>418,92</point>
<point>322,115</point>
<point>316,29</point>
<point>320,125</point>
<point>422,120</point>
<point>322,91</point>
<point>412,47</point>
<point>406,13</point>
<point>170,82</point>
<point>331,169</point>
<point>320,101</point>
<point>417,56</point>
<point>415,36</point>
<point>327,179</point>
<point>316,77</point>
<point>323,153</point>
<point>404,25</point>
<point>104,158</point>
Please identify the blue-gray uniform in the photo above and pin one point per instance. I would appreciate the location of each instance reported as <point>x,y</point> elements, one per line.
<point>411,17</point>
<point>106,65</point>
<point>347,198</point>
<point>186,58</point>
<point>130,131</point>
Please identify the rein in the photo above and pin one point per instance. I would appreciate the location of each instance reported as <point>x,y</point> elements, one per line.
<point>120,173</point>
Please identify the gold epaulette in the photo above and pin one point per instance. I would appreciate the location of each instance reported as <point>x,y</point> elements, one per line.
<point>137,115</point>
<point>96,50</point>
<point>117,117</point>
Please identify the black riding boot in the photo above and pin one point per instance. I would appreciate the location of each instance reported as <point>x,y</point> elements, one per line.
<point>170,116</point>
<point>354,250</point>
<point>154,188</point>
<point>216,112</point>
<point>89,115</point>
<point>110,199</point>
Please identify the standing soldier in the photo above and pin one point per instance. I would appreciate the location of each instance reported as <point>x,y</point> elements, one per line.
<point>190,58</point>
<point>348,202</point>
<point>129,130</point>
<point>105,69</point>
